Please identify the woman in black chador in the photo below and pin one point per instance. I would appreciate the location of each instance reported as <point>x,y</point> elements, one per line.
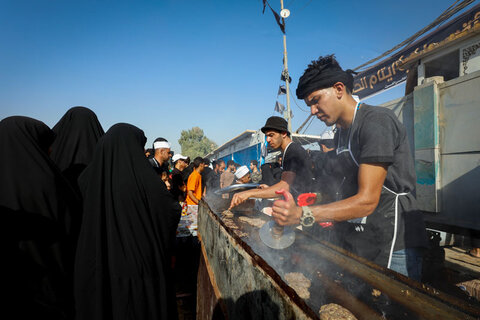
<point>122,267</point>
<point>77,134</point>
<point>37,207</point>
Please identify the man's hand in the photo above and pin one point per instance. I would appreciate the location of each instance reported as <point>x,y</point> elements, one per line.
<point>192,196</point>
<point>263,186</point>
<point>238,198</point>
<point>286,212</point>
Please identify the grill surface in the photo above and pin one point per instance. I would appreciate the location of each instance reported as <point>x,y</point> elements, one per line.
<point>337,276</point>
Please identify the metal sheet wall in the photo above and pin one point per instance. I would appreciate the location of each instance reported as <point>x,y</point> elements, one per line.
<point>459,108</point>
<point>243,157</point>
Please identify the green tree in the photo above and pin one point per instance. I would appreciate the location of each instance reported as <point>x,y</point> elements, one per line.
<point>194,143</point>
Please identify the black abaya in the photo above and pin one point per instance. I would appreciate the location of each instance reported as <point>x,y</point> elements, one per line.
<point>37,208</point>
<point>122,268</point>
<point>77,133</point>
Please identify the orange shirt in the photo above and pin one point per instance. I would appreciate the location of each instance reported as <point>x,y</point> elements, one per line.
<point>194,184</point>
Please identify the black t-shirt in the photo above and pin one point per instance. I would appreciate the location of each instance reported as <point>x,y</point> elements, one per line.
<point>378,136</point>
<point>205,173</point>
<point>296,160</point>
<point>177,183</point>
<point>269,175</point>
<point>187,171</point>
<point>326,176</point>
<point>213,181</point>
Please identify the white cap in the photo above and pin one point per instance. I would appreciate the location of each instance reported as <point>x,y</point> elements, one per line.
<point>177,157</point>
<point>327,135</point>
<point>161,145</point>
<point>241,172</point>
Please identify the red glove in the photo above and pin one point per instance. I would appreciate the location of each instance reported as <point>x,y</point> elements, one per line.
<point>306,199</point>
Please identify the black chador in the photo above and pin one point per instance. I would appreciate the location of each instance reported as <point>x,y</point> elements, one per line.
<point>77,134</point>
<point>38,208</point>
<point>122,268</point>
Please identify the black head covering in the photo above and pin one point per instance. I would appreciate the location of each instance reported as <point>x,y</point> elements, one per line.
<point>39,212</point>
<point>276,123</point>
<point>323,73</point>
<point>129,222</point>
<point>77,134</point>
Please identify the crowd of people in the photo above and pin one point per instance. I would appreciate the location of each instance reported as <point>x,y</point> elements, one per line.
<point>98,227</point>
<point>88,226</point>
<point>95,225</point>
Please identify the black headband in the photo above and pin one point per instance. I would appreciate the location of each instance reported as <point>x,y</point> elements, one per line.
<point>321,77</point>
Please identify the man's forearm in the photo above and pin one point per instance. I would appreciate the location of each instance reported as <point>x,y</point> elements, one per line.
<point>350,208</point>
<point>270,191</point>
<point>371,177</point>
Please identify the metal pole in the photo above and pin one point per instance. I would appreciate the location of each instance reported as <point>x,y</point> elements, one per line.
<point>304,123</point>
<point>285,68</point>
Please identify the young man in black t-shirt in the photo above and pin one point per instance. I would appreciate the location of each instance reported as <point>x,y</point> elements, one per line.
<point>178,185</point>
<point>213,179</point>
<point>378,213</point>
<point>296,175</point>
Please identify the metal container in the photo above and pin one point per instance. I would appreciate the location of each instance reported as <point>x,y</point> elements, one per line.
<point>240,277</point>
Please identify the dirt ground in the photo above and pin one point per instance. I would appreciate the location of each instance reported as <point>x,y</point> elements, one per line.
<point>186,306</point>
<point>185,270</point>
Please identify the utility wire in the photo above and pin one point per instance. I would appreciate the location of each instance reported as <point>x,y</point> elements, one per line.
<point>444,16</point>
<point>301,9</point>
<point>296,15</point>
<point>304,140</point>
<point>295,100</point>
<point>308,125</point>
<point>303,124</point>
<point>289,4</point>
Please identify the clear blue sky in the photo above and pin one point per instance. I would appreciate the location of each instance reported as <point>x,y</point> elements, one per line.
<point>167,66</point>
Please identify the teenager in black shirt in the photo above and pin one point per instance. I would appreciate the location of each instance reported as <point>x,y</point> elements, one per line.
<point>296,175</point>
<point>379,217</point>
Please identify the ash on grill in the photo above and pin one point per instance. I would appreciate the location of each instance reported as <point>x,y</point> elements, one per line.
<point>229,223</point>
<point>255,222</point>
<point>376,293</point>
<point>240,233</point>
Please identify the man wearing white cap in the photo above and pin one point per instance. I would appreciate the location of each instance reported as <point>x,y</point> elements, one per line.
<point>242,175</point>
<point>162,153</point>
<point>179,162</point>
<point>178,185</point>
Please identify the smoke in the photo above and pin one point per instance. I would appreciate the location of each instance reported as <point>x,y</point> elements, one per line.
<point>303,256</point>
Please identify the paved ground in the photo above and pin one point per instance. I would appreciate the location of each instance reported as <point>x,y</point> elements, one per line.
<point>459,259</point>
<point>465,270</point>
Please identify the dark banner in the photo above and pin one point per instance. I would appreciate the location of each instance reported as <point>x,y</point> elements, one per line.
<point>388,73</point>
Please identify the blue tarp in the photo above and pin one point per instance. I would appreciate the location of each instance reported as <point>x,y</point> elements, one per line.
<point>243,157</point>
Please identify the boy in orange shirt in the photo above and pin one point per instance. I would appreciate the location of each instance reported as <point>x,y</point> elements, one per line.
<point>188,247</point>
<point>194,184</point>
